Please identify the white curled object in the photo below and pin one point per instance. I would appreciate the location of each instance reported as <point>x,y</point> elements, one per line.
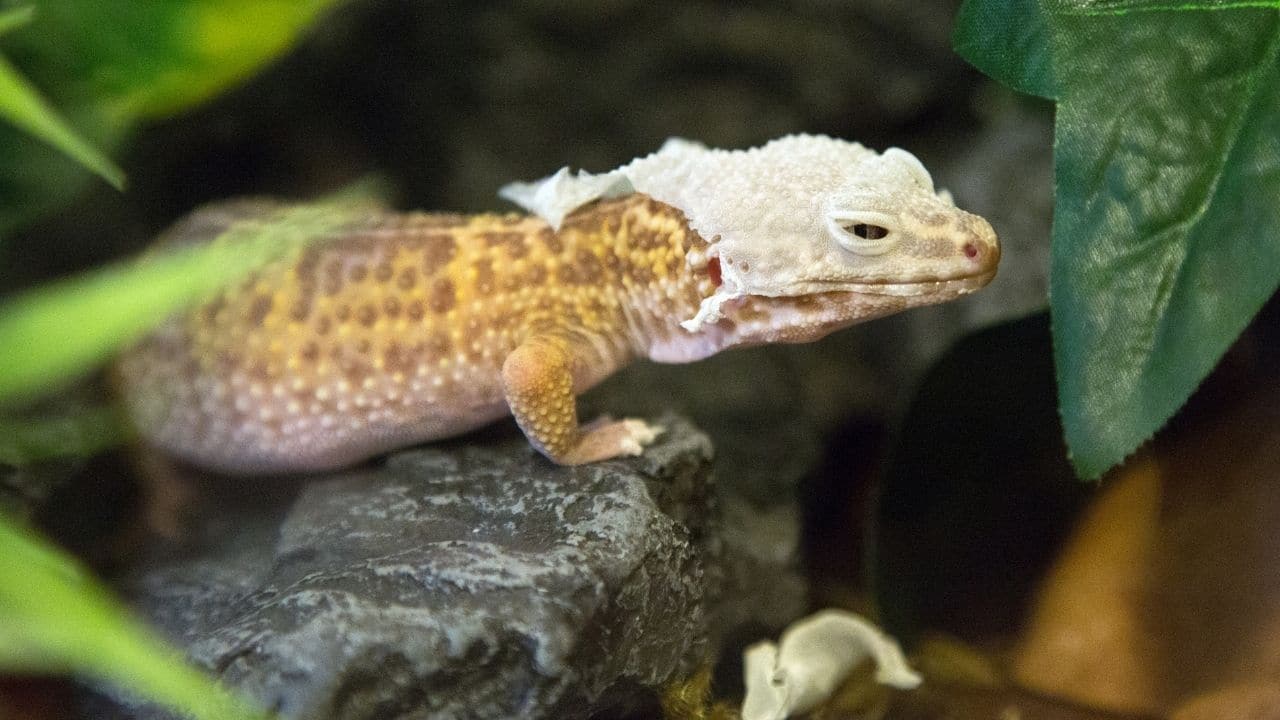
<point>810,661</point>
<point>554,197</point>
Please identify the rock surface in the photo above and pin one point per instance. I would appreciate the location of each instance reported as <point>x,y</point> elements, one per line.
<point>472,580</point>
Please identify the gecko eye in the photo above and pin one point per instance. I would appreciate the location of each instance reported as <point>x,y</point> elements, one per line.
<point>862,232</point>
<point>866,231</point>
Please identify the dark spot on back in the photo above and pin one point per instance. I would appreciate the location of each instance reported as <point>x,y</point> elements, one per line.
<point>323,325</point>
<point>641,274</point>
<point>258,369</point>
<point>342,313</point>
<point>407,279</point>
<point>310,352</point>
<point>391,306</point>
<point>306,267</point>
<point>300,310</point>
<point>383,271</point>
<point>414,310</point>
<point>358,273</point>
<point>437,250</point>
<point>259,310</point>
<point>567,274</point>
<point>397,359</point>
<point>590,269</point>
<point>513,243</point>
<point>227,361</point>
<point>333,277</point>
<point>367,315</point>
<point>354,367</point>
<point>442,297</point>
<point>438,344</point>
<point>211,309</point>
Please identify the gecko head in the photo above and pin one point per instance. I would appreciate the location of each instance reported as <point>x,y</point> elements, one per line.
<point>806,233</point>
<point>851,235</point>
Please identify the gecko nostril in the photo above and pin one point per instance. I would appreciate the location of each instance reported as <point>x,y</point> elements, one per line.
<point>970,250</point>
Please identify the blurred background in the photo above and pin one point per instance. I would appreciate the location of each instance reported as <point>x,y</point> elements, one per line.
<point>841,484</point>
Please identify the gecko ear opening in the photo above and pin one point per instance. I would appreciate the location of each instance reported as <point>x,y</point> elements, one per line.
<point>912,165</point>
<point>862,232</point>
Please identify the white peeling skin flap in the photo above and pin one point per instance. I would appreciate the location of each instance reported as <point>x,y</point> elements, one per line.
<point>771,213</point>
<point>810,661</point>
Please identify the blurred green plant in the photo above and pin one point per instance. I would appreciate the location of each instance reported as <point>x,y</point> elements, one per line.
<point>69,327</point>
<point>83,432</point>
<point>23,106</point>
<point>55,619</point>
<point>112,64</point>
<point>51,618</point>
<point>1166,237</point>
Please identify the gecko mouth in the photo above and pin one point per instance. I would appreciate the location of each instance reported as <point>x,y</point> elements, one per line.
<point>922,286</point>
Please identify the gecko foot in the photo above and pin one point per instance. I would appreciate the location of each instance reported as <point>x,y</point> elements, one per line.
<point>605,439</point>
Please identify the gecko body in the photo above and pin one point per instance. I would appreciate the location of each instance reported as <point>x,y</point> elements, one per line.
<point>403,328</point>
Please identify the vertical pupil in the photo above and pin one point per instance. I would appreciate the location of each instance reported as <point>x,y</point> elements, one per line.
<point>869,232</point>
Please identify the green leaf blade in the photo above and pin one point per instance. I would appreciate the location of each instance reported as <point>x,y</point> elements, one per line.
<point>53,618</point>
<point>15,18</point>
<point>60,331</point>
<point>1167,229</point>
<point>1010,41</point>
<point>23,106</point>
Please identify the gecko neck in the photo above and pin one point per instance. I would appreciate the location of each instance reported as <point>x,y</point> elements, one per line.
<point>659,274</point>
<point>661,271</point>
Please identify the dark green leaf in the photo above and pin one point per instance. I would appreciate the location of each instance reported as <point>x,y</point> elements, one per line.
<point>1167,235</point>
<point>1008,40</point>
<point>1167,225</point>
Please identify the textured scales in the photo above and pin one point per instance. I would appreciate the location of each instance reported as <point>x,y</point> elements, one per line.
<point>398,331</point>
<point>403,328</point>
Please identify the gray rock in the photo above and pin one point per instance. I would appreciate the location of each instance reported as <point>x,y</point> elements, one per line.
<point>472,580</point>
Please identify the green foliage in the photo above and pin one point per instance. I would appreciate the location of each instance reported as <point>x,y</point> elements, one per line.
<point>22,105</point>
<point>83,432</point>
<point>110,64</point>
<point>143,60</point>
<point>69,327</point>
<point>54,618</point>
<point>1166,236</point>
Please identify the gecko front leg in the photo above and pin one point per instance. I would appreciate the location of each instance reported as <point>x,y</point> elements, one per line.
<point>538,380</point>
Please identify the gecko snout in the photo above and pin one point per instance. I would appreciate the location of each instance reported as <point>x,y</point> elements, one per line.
<point>980,244</point>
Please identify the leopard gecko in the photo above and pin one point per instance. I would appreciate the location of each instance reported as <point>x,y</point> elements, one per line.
<point>407,327</point>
